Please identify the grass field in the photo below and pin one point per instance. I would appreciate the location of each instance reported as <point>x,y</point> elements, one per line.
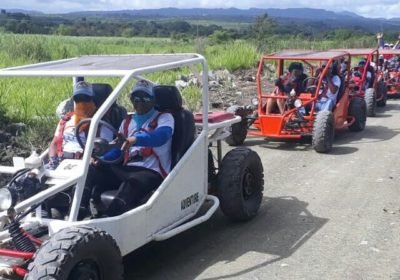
<point>33,100</point>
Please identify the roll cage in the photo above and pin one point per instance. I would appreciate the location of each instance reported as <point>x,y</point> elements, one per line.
<point>126,67</point>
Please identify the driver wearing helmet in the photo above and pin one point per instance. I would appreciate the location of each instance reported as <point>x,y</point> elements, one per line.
<point>294,80</point>
<point>65,143</point>
<point>146,155</point>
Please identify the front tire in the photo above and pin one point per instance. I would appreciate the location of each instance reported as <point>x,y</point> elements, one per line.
<point>240,184</point>
<point>323,132</point>
<point>358,110</point>
<point>370,100</point>
<point>78,253</point>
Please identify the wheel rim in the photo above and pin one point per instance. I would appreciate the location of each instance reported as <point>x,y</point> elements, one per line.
<point>85,270</point>
<point>248,184</point>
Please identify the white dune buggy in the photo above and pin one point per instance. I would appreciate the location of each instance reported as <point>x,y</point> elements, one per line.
<point>38,244</point>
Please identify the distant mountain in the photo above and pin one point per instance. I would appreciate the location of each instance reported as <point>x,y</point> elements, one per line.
<point>300,13</point>
<point>287,17</point>
<point>350,14</point>
<point>306,13</point>
<point>344,19</point>
<point>28,12</point>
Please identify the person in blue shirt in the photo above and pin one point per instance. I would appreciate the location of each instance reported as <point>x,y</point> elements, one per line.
<point>146,154</point>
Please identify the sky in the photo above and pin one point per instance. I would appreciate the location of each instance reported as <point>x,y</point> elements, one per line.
<point>367,8</point>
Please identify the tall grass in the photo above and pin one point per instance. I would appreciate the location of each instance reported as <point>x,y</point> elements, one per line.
<point>27,99</point>
<point>232,56</point>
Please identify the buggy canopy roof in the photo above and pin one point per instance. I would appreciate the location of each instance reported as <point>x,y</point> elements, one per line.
<point>389,51</point>
<point>358,51</point>
<point>104,65</point>
<point>305,55</point>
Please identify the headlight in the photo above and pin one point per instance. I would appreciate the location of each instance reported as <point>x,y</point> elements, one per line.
<point>298,103</point>
<point>254,101</point>
<point>5,199</point>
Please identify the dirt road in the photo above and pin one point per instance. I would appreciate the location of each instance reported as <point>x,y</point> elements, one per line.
<point>334,216</point>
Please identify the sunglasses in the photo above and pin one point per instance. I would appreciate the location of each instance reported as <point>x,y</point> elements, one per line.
<point>82,98</point>
<point>144,99</point>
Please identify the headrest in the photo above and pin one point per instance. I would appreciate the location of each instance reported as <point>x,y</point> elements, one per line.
<point>167,98</point>
<point>101,92</point>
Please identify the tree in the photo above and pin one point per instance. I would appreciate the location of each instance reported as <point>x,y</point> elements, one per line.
<point>263,27</point>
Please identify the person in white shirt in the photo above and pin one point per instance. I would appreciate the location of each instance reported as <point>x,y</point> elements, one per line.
<point>328,95</point>
<point>147,153</point>
<point>65,144</point>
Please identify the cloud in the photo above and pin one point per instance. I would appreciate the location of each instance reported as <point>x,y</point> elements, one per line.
<point>367,8</point>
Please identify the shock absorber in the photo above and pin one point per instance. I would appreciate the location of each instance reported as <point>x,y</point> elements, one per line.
<point>20,241</point>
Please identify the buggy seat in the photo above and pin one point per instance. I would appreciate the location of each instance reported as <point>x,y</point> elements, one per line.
<point>169,99</point>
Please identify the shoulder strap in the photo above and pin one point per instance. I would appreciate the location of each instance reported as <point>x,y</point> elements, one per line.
<point>60,136</point>
<point>127,121</point>
<point>162,170</point>
<point>154,122</point>
<point>153,125</point>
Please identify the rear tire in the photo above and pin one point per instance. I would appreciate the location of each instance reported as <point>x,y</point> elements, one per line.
<point>77,253</point>
<point>382,91</point>
<point>358,110</point>
<point>240,184</point>
<point>238,130</point>
<point>370,100</point>
<point>323,132</point>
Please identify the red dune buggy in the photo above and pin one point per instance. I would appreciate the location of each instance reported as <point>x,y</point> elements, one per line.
<point>298,117</point>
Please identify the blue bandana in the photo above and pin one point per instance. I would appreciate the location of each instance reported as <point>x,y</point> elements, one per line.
<point>141,119</point>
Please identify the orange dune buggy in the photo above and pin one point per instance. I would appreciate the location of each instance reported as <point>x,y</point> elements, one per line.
<point>299,117</point>
<point>374,89</point>
<point>390,70</point>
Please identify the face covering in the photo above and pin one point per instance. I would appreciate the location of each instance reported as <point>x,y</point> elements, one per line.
<point>83,110</point>
<point>141,119</point>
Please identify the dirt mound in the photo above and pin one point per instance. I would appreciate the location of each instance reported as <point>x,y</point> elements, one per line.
<point>226,88</point>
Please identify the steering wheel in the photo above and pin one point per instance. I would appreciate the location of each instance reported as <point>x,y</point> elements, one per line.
<point>101,145</point>
<point>310,88</point>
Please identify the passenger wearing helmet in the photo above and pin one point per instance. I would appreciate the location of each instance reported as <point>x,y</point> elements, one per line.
<point>65,144</point>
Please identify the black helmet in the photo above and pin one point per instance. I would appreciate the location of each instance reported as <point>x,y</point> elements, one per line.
<point>296,66</point>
